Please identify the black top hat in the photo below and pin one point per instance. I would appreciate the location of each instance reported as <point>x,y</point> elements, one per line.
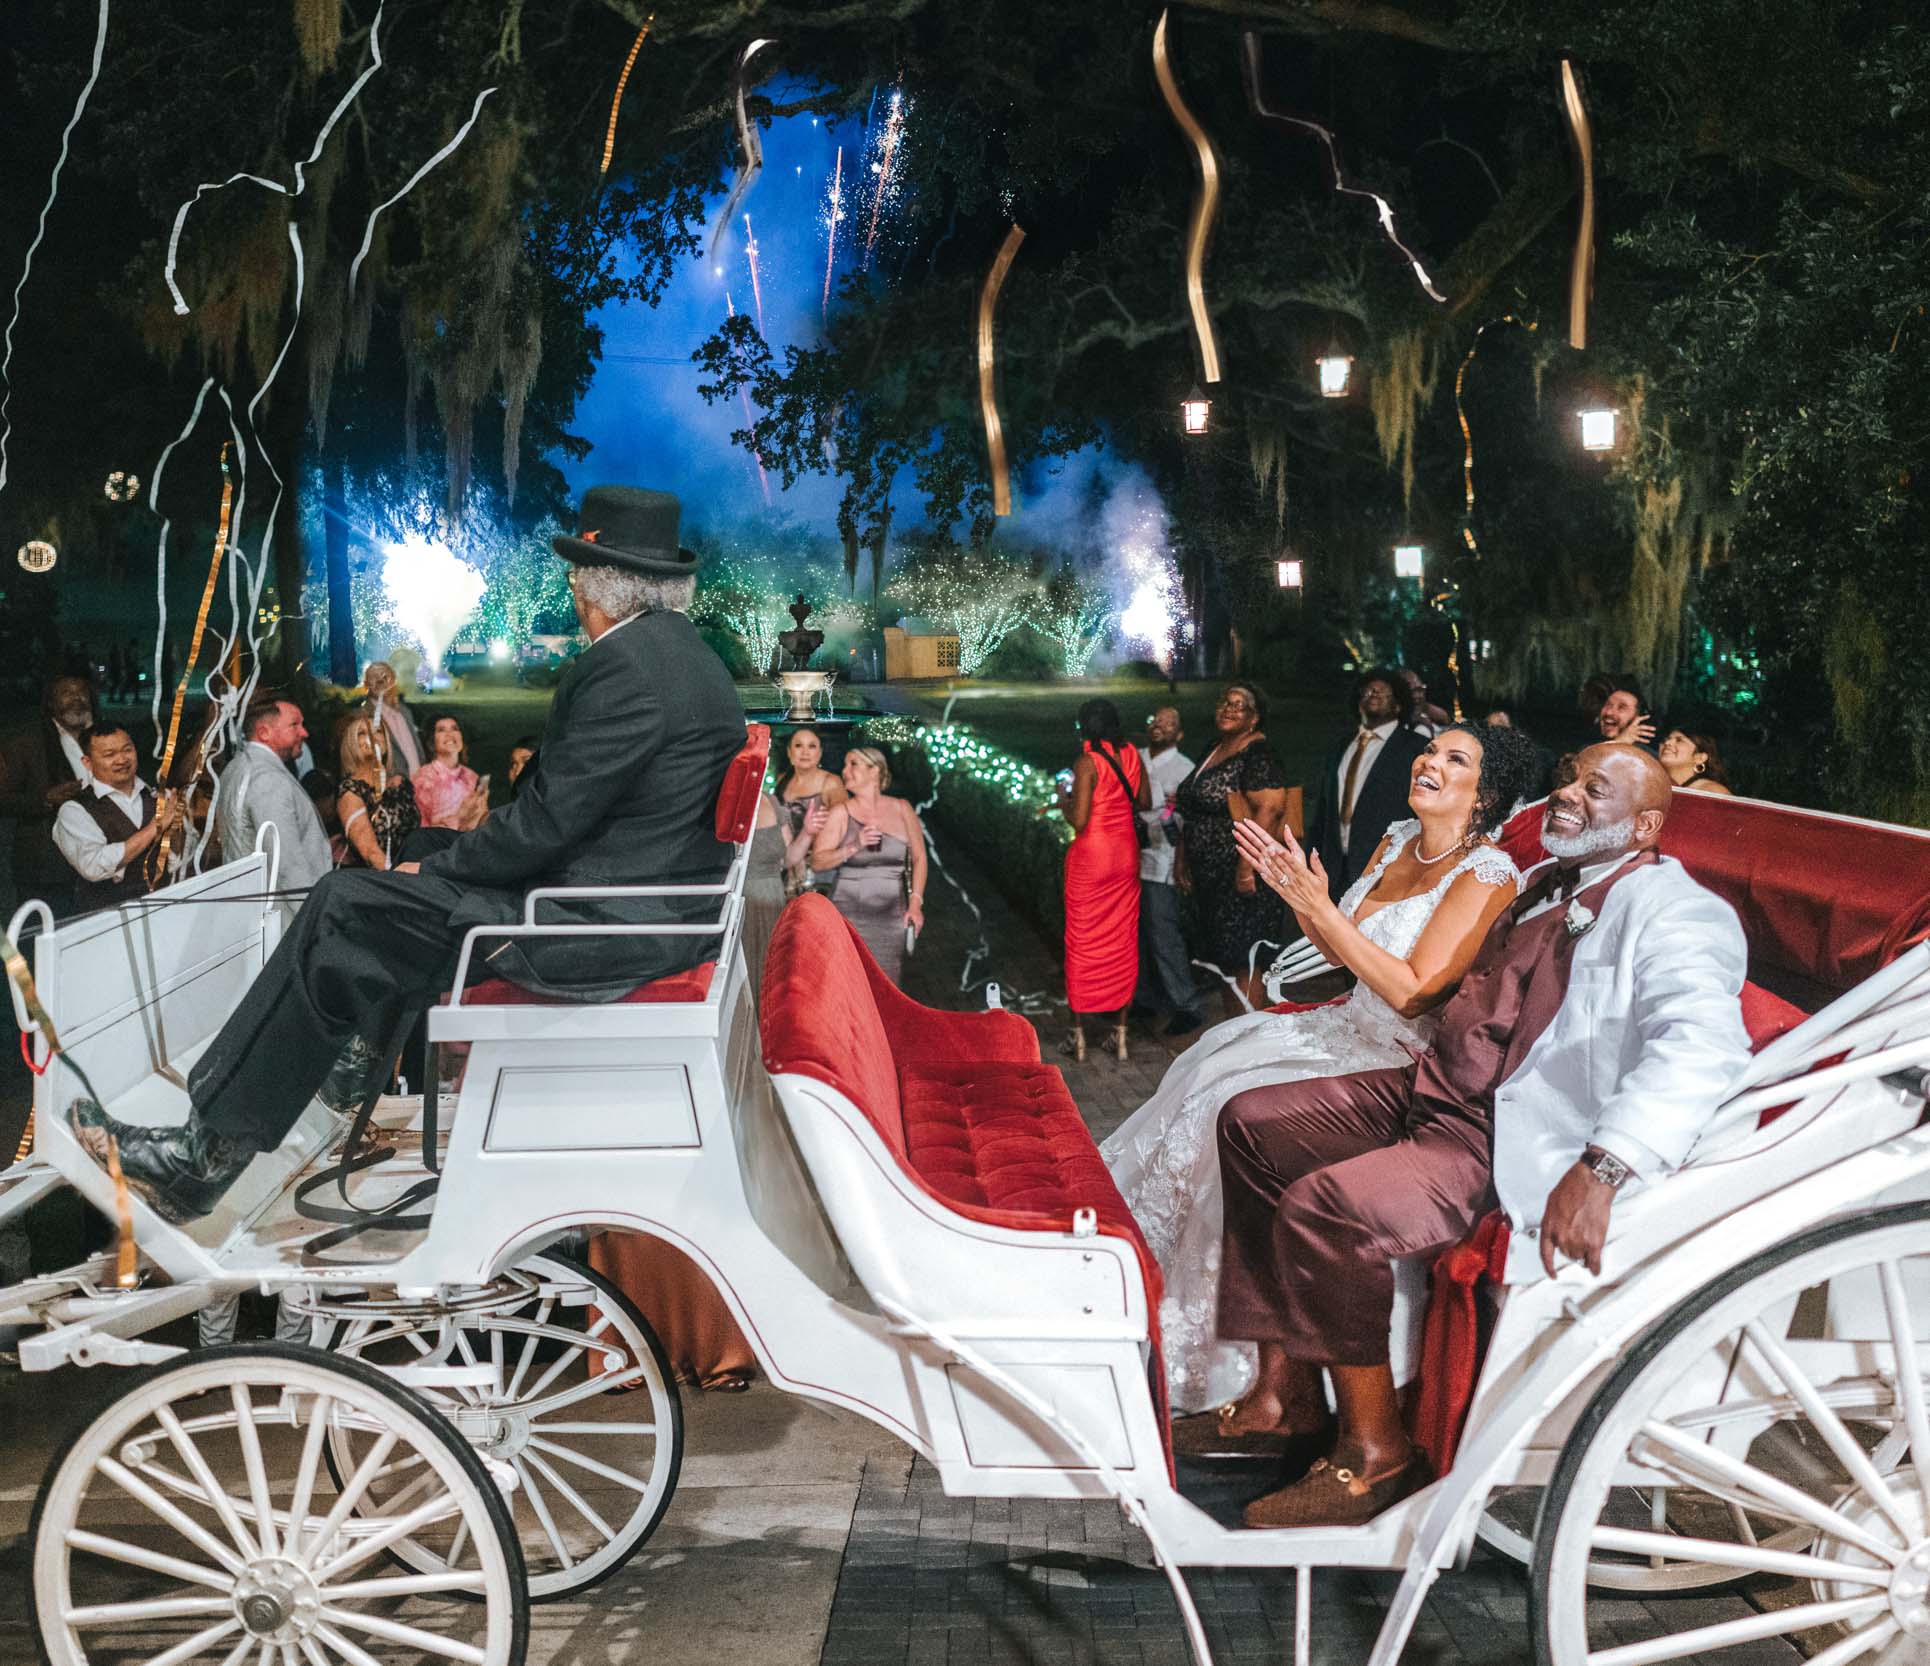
<point>628,527</point>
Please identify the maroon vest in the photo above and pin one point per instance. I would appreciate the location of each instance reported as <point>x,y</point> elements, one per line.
<point>115,829</point>
<point>1510,995</point>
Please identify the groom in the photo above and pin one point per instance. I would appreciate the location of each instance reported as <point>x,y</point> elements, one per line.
<point>1591,1041</point>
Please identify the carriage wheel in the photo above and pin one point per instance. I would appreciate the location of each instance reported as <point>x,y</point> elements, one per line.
<point>583,1408</point>
<point>1807,1476</point>
<point>193,1520</point>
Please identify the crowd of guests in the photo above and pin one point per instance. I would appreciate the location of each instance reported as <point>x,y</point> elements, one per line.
<point>1157,884</point>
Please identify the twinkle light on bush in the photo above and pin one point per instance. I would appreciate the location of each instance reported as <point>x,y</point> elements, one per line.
<point>37,555</point>
<point>498,650</point>
<point>1290,574</point>
<point>1336,373</point>
<point>1598,430</point>
<point>1409,560</point>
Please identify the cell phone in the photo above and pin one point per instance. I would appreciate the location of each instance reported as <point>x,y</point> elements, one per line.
<point>1064,778</point>
<point>482,786</point>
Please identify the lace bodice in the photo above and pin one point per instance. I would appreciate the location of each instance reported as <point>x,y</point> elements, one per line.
<point>1397,926</point>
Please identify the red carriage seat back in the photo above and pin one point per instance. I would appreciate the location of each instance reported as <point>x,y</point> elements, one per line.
<point>743,784</point>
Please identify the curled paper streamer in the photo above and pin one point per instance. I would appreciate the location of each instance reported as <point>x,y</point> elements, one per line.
<point>987,367</point>
<point>301,167</point>
<point>40,231</point>
<point>1205,206</point>
<point>415,179</point>
<point>1467,433</point>
<point>1581,269</point>
<point>1250,62</point>
<point>616,103</point>
<point>749,142</point>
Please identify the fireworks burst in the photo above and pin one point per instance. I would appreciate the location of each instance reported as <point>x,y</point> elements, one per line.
<point>744,399</point>
<point>1155,610</point>
<point>833,213</point>
<point>883,165</point>
<point>750,255</point>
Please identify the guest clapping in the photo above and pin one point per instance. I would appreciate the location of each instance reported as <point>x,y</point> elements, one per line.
<point>1693,762</point>
<point>877,847</point>
<point>447,791</point>
<point>377,806</point>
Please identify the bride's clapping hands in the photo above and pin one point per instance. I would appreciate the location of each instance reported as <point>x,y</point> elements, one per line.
<point>1297,876</point>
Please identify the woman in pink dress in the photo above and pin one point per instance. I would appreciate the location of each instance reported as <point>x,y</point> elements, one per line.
<point>446,788</point>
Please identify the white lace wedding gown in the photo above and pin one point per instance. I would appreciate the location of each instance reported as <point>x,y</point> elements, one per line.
<point>1165,1156</point>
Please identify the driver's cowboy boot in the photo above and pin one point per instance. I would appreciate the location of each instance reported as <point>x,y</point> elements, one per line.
<point>182,1173</point>
<point>347,1083</point>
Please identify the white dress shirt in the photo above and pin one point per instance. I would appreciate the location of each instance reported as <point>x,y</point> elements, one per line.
<point>77,836</point>
<point>1592,873</point>
<point>1164,772</point>
<point>1379,732</point>
<point>76,759</point>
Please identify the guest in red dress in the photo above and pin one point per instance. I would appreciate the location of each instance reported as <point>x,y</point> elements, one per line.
<point>1102,877</point>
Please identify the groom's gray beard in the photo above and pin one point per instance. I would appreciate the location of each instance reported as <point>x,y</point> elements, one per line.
<point>1597,841</point>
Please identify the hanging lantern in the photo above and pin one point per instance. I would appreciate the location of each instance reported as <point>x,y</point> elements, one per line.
<point>122,487</point>
<point>1290,575</point>
<point>1336,373</point>
<point>37,555</point>
<point>1598,430</point>
<point>1409,560</point>
<point>1194,409</point>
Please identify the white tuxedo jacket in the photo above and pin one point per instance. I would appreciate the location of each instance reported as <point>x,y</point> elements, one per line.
<point>1647,1043</point>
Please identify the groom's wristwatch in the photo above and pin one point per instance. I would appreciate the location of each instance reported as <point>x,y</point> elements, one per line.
<point>1605,1166</point>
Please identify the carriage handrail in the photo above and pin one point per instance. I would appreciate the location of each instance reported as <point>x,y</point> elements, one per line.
<point>32,905</point>
<point>1854,1003</point>
<point>268,843</point>
<point>724,926</point>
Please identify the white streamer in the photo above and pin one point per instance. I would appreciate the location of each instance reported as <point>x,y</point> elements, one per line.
<point>46,208</point>
<point>752,145</point>
<point>181,307</point>
<point>368,231</point>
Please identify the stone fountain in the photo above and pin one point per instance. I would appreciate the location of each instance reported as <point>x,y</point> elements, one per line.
<point>801,685</point>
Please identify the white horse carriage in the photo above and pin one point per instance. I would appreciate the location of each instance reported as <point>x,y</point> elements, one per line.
<point>907,1217</point>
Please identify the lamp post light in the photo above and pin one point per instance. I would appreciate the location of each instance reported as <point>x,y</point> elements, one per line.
<point>1598,430</point>
<point>1409,560</point>
<point>1194,409</point>
<point>1336,373</point>
<point>1290,574</point>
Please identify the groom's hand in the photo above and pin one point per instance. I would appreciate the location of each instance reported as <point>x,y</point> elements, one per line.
<point>1574,1222</point>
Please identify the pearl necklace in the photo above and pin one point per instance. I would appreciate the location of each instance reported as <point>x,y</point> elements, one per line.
<point>1429,861</point>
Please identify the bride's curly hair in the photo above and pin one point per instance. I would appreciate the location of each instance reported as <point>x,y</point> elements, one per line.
<point>1511,771</point>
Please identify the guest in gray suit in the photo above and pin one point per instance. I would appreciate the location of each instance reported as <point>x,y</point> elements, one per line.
<point>641,731</point>
<point>258,789</point>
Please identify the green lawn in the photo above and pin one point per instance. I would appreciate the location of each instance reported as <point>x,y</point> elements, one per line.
<point>1038,723</point>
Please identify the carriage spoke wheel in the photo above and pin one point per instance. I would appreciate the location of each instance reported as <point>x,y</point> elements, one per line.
<point>569,1388</point>
<point>194,1520</point>
<point>1781,1416</point>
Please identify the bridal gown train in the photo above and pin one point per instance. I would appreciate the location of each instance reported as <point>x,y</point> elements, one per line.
<point>1165,1156</point>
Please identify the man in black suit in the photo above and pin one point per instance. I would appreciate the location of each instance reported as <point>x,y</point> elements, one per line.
<point>1363,788</point>
<point>640,733</point>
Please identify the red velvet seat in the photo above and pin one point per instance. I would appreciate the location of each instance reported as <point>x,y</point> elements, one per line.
<point>736,815</point>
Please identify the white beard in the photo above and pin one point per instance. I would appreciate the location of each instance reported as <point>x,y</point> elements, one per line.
<point>1596,841</point>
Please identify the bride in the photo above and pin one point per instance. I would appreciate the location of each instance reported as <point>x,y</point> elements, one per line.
<point>1407,929</point>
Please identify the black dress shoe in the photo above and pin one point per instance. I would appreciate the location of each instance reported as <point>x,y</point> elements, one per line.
<point>181,1172</point>
<point>348,1078</point>
<point>1183,1023</point>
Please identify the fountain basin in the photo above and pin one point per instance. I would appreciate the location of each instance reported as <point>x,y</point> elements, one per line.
<point>801,689</point>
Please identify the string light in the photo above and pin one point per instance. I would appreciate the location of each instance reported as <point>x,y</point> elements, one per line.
<point>1079,618</point>
<point>37,555</point>
<point>122,487</point>
<point>616,103</point>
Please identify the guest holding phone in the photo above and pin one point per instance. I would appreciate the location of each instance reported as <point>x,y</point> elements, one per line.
<point>447,791</point>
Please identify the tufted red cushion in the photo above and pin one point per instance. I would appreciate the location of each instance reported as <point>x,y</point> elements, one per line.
<point>1766,1015</point>
<point>816,1015</point>
<point>691,985</point>
<point>743,782</point>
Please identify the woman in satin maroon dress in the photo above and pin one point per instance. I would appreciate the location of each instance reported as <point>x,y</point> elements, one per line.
<point>1102,877</point>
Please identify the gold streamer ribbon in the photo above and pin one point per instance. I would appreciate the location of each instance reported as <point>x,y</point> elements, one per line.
<point>157,865</point>
<point>1467,433</point>
<point>126,1257</point>
<point>616,104</point>
<point>987,367</point>
<point>1206,205</point>
<point>1581,269</point>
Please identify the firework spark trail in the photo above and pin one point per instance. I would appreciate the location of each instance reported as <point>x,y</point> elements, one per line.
<point>749,141</point>
<point>301,168</point>
<point>368,231</point>
<point>616,103</point>
<point>40,231</point>
<point>831,236</point>
<point>750,255</point>
<point>1250,61</point>
<point>763,480</point>
<point>894,126</point>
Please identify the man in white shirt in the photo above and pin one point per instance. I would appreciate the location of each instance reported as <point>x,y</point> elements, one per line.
<point>259,789</point>
<point>105,830</point>
<point>1165,970</point>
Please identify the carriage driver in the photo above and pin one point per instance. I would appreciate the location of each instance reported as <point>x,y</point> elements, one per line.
<point>1593,1038</point>
<point>640,733</point>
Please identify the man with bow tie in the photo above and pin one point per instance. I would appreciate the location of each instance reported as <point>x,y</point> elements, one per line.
<point>1592,1040</point>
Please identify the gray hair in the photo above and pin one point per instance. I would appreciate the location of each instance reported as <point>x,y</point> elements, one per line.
<point>623,594</point>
